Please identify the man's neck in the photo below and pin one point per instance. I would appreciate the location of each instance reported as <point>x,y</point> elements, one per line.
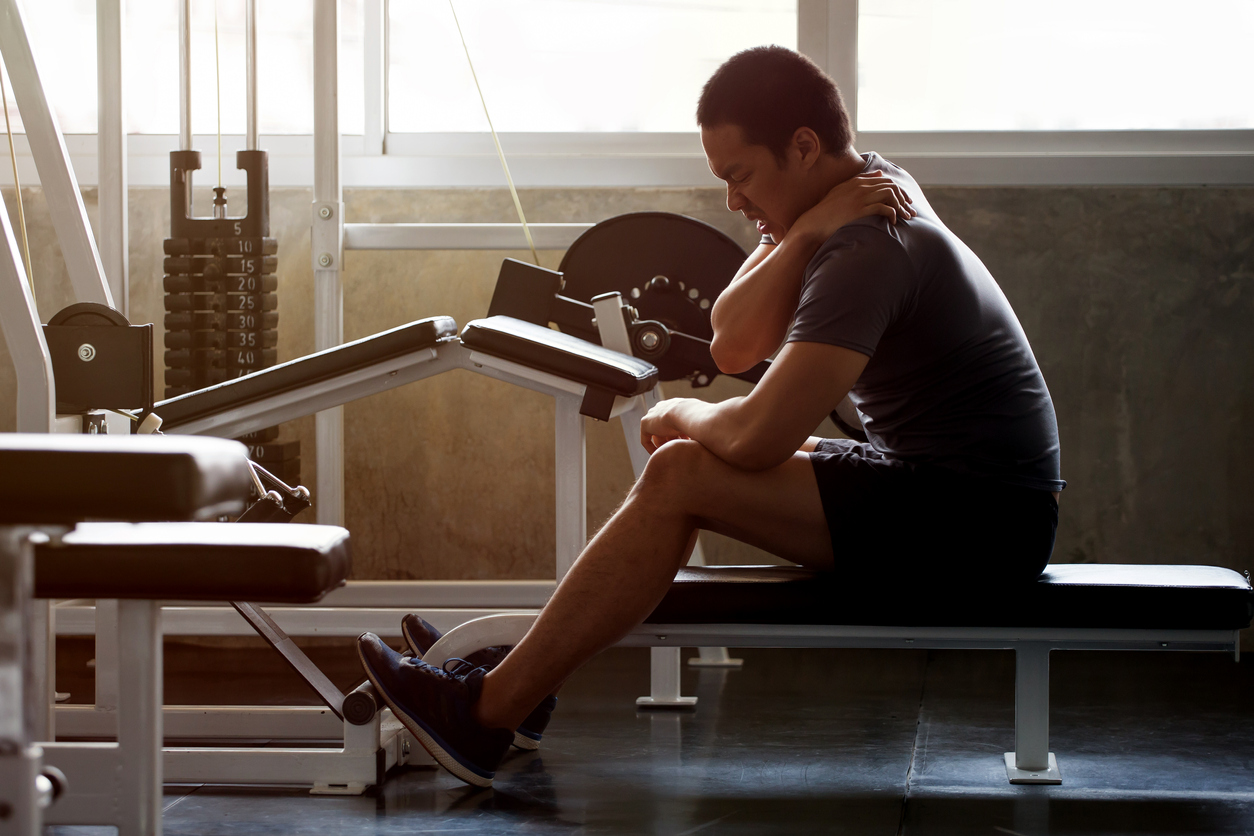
<point>829,171</point>
<point>835,169</point>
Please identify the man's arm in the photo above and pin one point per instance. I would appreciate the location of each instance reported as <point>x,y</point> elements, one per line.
<point>764,428</point>
<point>751,316</point>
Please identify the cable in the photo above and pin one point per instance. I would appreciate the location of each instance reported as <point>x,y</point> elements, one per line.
<point>217,87</point>
<point>17,186</point>
<point>500,153</point>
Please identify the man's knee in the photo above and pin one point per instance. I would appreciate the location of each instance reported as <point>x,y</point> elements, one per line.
<point>675,471</point>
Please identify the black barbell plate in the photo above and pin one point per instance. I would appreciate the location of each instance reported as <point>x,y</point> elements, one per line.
<point>625,253</point>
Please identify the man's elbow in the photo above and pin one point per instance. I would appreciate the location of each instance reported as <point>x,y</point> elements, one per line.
<point>732,358</point>
<point>753,455</point>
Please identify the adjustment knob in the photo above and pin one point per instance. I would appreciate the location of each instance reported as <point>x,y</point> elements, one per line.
<point>659,283</point>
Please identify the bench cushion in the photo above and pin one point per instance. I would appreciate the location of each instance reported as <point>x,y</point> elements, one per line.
<point>61,478</point>
<point>561,354</point>
<point>257,562</point>
<point>304,371</point>
<point>1066,595</point>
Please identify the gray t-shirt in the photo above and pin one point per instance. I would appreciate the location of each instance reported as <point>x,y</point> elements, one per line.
<point>951,380</point>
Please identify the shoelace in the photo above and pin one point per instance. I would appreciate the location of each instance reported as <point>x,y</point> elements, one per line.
<point>463,667</point>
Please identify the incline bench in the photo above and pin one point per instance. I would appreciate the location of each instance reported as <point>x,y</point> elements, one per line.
<point>62,479</point>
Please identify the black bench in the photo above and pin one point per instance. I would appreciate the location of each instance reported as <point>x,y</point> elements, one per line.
<point>1071,607</point>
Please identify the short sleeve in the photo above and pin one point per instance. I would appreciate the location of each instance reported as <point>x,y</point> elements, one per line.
<point>858,284</point>
<point>767,240</point>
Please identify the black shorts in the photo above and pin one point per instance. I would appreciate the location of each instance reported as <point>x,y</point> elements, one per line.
<point>904,521</point>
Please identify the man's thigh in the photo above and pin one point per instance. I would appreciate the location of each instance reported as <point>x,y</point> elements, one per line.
<point>776,510</point>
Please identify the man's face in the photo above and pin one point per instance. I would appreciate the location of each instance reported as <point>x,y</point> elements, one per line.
<point>761,187</point>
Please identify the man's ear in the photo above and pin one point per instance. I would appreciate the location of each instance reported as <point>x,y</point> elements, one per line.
<point>806,147</point>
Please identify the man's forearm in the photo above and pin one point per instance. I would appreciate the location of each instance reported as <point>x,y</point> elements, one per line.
<point>712,425</point>
<point>751,317</point>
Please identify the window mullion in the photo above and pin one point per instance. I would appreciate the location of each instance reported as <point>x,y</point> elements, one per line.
<point>842,51</point>
<point>374,73</point>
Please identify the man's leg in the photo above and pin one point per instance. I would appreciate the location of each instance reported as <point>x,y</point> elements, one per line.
<point>628,566</point>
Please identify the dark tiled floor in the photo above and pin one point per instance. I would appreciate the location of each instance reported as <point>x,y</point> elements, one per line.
<point>801,742</point>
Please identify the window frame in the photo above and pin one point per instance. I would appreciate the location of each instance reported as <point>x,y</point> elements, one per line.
<point>827,33</point>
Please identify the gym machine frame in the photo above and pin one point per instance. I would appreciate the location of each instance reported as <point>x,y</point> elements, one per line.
<point>375,604</point>
<point>357,764</point>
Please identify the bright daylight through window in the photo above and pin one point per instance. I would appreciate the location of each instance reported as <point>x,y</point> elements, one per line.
<point>569,65</point>
<point>63,37</point>
<point>1058,65</point>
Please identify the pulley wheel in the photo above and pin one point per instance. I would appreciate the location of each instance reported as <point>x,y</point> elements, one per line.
<point>88,313</point>
<point>668,267</point>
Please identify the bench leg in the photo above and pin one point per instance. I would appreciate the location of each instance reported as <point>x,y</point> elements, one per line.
<point>107,655</point>
<point>1031,762</point>
<point>664,681</point>
<point>571,474</point>
<point>139,718</point>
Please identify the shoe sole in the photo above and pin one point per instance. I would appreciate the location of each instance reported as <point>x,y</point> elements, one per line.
<point>521,741</point>
<point>410,643</point>
<point>429,741</point>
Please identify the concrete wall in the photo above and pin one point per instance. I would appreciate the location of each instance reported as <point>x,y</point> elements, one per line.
<point>1137,301</point>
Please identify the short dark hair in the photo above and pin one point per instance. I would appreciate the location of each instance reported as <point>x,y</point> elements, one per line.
<point>769,92</point>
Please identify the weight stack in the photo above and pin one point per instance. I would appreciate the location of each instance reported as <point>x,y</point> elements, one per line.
<point>221,304</point>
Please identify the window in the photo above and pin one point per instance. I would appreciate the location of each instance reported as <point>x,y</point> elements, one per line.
<point>1060,65</point>
<point>568,65</point>
<point>63,38</point>
<point>603,92</point>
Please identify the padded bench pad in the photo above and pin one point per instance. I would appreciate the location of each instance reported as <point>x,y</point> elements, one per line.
<point>62,478</point>
<point>561,354</point>
<point>260,562</point>
<point>1066,595</point>
<point>304,371</point>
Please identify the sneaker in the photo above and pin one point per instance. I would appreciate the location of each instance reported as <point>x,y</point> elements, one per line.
<point>421,636</point>
<point>435,706</point>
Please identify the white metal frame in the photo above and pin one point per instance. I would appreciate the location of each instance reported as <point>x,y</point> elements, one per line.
<point>23,794</point>
<point>344,768</point>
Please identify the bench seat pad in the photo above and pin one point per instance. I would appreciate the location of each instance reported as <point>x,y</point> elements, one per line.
<point>560,354</point>
<point>258,562</point>
<point>1066,595</point>
<point>61,478</point>
<point>305,371</point>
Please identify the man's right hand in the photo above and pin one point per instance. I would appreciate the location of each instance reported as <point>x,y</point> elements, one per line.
<point>857,197</point>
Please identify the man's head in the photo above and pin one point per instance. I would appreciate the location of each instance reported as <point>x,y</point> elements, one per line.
<point>770,120</point>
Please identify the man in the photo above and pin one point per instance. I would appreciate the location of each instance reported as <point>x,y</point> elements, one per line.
<point>869,295</point>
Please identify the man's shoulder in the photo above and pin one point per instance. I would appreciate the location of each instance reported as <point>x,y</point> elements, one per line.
<point>871,241</point>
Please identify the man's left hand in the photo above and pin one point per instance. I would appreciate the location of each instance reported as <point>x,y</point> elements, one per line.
<point>660,424</point>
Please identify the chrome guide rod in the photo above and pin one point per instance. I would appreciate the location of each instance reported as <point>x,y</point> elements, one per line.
<point>185,89</point>
<point>250,50</point>
<point>185,76</point>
